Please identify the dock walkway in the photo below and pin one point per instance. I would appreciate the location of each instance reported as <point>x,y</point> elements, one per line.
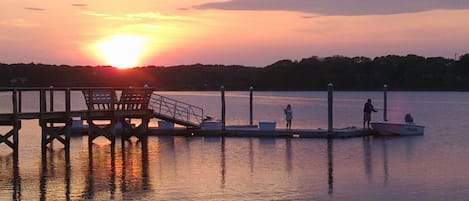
<point>256,132</point>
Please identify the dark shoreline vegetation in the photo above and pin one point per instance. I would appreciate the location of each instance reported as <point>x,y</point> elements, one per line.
<point>411,72</point>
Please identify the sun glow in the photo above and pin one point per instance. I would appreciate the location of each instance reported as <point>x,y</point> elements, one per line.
<point>122,51</point>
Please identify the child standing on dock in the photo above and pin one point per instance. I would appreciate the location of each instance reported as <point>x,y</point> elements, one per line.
<point>288,116</point>
<point>367,109</point>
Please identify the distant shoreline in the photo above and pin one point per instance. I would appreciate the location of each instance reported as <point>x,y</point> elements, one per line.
<point>400,73</point>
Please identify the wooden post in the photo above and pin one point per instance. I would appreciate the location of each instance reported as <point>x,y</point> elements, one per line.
<point>385,89</point>
<point>222,89</point>
<point>19,100</point>
<point>16,124</point>
<point>51,98</point>
<point>250,105</point>
<point>330,89</point>
<point>69,121</point>
<point>42,123</point>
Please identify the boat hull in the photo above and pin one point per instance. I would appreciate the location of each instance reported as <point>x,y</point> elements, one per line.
<point>390,128</point>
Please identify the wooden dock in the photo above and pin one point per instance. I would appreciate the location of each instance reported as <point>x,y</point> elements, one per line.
<point>139,103</point>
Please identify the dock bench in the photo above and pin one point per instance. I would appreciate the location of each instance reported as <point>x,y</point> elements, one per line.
<point>103,105</point>
<point>100,99</point>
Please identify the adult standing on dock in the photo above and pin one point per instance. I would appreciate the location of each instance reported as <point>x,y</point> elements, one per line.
<point>288,116</point>
<point>367,109</point>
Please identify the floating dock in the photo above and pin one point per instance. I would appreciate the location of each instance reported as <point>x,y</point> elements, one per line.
<point>249,131</point>
<point>255,132</point>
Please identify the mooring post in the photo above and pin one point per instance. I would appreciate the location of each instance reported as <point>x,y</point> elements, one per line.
<point>222,89</point>
<point>330,89</point>
<point>250,105</point>
<point>385,89</point>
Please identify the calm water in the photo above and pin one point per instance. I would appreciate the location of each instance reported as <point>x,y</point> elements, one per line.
<point>430,167</point>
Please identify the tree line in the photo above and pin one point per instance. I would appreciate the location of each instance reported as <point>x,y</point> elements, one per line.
<point>410,72</point>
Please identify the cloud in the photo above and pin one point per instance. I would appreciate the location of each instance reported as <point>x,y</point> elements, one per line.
<point>143,16</point>
<point>34,8</point>
<point>339,7</point>
<point>80,5</point>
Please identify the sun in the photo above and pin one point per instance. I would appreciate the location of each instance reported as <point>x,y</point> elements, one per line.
<point>122,51</point>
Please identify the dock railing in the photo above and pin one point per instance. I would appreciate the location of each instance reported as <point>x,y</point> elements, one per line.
<point>176,111</point>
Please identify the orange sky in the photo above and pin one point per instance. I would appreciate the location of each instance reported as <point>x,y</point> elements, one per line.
<point>246,32</point>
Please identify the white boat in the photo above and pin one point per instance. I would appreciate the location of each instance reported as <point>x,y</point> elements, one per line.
<point>397,128</point>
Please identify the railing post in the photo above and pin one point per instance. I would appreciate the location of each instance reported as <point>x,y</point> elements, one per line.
<point>188,113</point>
<point>174,111</point>
<point>161,104</point>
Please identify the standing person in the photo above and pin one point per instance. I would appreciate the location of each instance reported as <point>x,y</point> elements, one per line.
<point>288,116</point>
<point>367,109</point>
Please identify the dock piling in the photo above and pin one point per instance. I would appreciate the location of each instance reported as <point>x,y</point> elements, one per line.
<point>385,89</point>
<point>250,105</point>
<point>222,89</point>
<point>330,89</point>
<point>54,127</point>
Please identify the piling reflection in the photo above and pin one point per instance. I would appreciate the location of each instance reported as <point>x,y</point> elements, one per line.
<point>330,166</point>
<point>55,166</point>
<point>367,158</point>
<point>385,161</point>
<point>251,157</point>
<point>112,175</point>
<point>101,172</point>
<point>134,170</point>
<point>222,163</point>
<point>288,155</point>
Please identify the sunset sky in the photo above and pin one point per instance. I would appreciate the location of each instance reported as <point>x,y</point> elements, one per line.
<point>246,32</point>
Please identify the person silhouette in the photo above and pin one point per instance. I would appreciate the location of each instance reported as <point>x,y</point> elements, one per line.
<point>367,109</point>
<point>288,116</point>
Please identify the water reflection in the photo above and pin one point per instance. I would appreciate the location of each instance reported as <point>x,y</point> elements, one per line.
<point>55,166</point>
<point>251,157</point>
<point>111,176</point>
<point>223,163</point>
<point>191,167</point>
<point>330,166</point>
<point>101,175</point>
<point>367,157</point>
<point>10,169</point>
<point>385,161</point>
<point>288,155</point>
<point>134,173</point>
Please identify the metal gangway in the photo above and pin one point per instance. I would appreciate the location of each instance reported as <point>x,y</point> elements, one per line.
<point>177,112</point>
